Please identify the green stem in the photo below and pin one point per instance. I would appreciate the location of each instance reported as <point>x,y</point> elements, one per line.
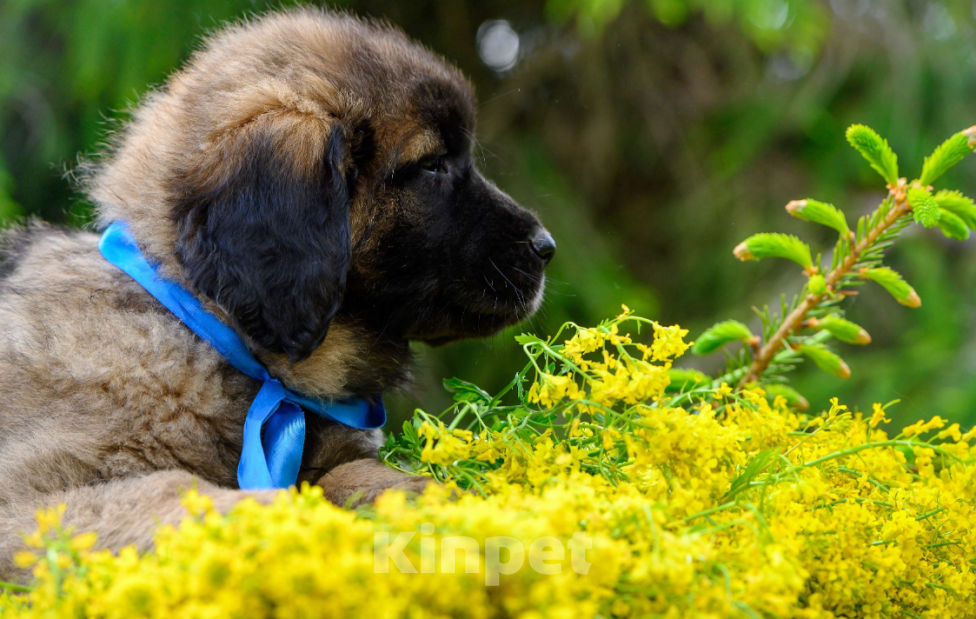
<point>724,506</point>
<point>853,450</point>
<point>12,587</point>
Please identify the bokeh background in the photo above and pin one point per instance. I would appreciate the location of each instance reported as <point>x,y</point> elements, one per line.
<point>650,135</point>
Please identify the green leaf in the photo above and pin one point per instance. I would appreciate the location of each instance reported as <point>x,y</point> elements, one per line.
<point>959,205</point>
<point>466,392</point>
<point>952,226</point>
<point>876,150</point>
<point>826,360</point>
<point>775,245</point>
<point>948,154</point>
<point>682,379</point>
<point>719,335</point>
<point>409,430</point>
<point>755,467</point>
<point>819,213</point>
<point>924,207</point>
<point>844,330</point>
<point>891,281</point>
<point>818,285</point>
<point>793,397</point>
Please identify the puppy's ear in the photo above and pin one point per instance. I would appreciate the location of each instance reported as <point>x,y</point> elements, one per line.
<point>263,228</point>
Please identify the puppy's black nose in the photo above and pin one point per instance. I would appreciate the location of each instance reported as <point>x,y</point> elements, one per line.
<point>543,245</point>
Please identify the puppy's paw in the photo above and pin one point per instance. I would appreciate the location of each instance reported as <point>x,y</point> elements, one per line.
<point>361,481</point>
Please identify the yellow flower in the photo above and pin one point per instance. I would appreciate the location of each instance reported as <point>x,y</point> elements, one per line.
<point>952,432</point>
<point>25,559</point>
<point>668,343</point>
<point>878,416</point>
<point>922,426</point>
<point>583,342</point>
<point>723,391</point>
<point>196,503</point>
<point>84,541</point>
<point>551,389</point>
<point>49,518</point>
<point>444,446</point>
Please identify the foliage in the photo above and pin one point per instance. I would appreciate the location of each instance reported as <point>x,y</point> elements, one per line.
<point>65,66</point>
<point>814,315</point>
<point>771,24</point>
<point>694,502</point>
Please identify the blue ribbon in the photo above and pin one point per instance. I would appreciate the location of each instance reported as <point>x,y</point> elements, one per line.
<point>270,458</point>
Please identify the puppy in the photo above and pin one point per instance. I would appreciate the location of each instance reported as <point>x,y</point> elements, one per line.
<point>309,178</point>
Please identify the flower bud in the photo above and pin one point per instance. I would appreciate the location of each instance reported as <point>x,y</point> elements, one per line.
<point>794,206</point>
<point>775,245</point>
<point>819,213</point>
<point>912,300</point>
<point>719,335</point>
<point>818,285</point>
<point>844,330</point>
<point>826,360</point>
<point>742,252</point>
<point>897,287</point>
<point>971,134</point>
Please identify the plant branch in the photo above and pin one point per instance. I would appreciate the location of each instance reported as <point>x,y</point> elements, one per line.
<point>794,320</point>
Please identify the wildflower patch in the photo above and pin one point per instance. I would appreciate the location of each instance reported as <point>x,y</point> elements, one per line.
<point>589,487</point>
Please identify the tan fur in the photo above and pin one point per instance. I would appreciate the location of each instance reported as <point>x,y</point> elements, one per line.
<point>361,481</point>
<point>259,89</point>
<point>113,406</point>
<point>124,512</point>
<point>423,144</point>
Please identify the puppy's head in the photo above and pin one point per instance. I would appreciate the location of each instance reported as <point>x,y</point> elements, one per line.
<point>307,166</point>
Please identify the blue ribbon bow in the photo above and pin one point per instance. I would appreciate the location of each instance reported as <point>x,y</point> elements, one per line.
<point>269,459</point>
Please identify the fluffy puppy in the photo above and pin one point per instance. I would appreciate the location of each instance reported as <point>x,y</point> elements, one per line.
<point>309,176</point>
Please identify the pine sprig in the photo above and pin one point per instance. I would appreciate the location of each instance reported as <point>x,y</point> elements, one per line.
<point>795,319</point>
<point>775,245</point>
<point>948,154</point>
<point>819,213</point>
<point>826,359</point>
<point>924,207</point>
<point>719,335</point>
<point>804,324</point>
<point>959,205</point>
<point>876,150</point>
<point>895,284</point>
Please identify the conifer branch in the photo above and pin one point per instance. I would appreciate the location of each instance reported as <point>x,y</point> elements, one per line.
<point>802,326</point>
<point>794,321</point>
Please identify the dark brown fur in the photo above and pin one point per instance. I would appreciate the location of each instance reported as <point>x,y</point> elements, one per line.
<point>309,177</point>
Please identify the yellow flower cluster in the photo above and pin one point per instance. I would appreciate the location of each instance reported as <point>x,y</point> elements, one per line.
<point>443,445</point>
<point>643,504</point>
<point>616,376</point>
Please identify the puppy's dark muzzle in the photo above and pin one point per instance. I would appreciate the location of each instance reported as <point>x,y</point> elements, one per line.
<point>543,245</point>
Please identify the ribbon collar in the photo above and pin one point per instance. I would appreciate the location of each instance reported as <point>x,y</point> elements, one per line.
<point>274,429</point>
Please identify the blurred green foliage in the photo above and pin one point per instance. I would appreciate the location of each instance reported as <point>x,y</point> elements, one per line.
<point>650,135</point>
<point>795,25</point>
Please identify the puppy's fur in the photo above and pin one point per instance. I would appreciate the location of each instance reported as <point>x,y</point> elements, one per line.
<point>309,176</point>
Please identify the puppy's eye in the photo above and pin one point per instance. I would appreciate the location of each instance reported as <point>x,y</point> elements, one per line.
<point>433,163</point>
